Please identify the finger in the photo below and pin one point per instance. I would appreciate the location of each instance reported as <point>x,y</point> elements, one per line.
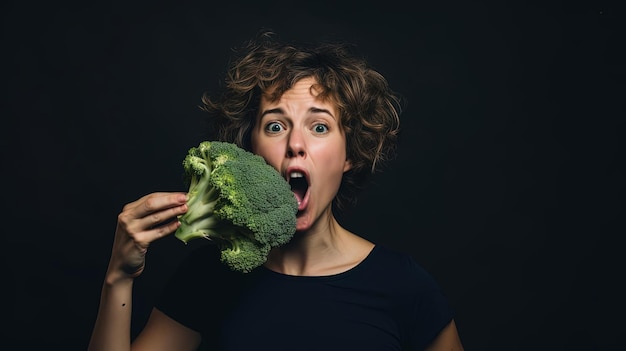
<point>163,201</point>
<point>152,225</point>
<point>164,229</point>
<point>154,202</point>
<point>156,219</point>
<point>143,239</point>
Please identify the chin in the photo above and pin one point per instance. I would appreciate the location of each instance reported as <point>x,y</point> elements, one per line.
<point>303,223</point>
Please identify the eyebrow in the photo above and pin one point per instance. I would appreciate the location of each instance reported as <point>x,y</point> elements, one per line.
<point>312,109</point>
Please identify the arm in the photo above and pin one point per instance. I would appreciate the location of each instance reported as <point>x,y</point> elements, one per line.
<point>447,340</point>
<point>163,333</point>
<point>139,223</point>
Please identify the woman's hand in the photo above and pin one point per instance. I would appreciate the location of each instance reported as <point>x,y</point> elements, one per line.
<point>140,223</point>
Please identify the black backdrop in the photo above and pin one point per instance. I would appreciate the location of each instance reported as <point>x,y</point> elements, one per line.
<point>508,186</point>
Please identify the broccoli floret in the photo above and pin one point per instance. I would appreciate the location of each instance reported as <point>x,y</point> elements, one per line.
<point>238,201</point>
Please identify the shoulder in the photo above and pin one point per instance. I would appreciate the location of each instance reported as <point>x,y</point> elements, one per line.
<point>200,272</point>
<point>400,266</point>
<point>204,253</point>
<point>204,265</point>
<point>424,307</point>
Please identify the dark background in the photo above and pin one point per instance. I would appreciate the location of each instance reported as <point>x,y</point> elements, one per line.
<point>508,187</point>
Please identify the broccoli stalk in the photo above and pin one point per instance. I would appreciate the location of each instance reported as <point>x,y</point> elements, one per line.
<point>238,201</point>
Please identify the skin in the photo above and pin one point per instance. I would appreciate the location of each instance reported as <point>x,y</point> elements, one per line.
<point>298,132</point>
<point>301,132</point>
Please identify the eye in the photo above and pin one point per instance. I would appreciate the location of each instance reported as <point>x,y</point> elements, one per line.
<point>273,127</point>
<point>320,128</point>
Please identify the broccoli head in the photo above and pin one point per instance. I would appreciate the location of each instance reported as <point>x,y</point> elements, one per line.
<point>238,201</point>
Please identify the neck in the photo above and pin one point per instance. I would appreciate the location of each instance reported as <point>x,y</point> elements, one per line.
<point>326,249</point>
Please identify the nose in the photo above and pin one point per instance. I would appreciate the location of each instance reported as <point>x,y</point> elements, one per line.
<point>295,144</point>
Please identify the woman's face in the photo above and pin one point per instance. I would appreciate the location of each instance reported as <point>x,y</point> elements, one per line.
<point>300,136</point>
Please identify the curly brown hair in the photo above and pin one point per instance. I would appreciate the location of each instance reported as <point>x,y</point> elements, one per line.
<point>368,109</point>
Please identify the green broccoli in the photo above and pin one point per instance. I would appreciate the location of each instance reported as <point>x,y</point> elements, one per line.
<point>238,201</point>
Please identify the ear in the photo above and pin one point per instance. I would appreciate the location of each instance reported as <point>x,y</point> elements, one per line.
<point>347,165</point>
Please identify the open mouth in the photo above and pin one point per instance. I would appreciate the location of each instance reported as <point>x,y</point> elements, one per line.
<point>299,185</point>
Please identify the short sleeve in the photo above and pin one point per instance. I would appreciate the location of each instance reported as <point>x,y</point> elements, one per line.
<point>431,310</point>
<point>190,294</point>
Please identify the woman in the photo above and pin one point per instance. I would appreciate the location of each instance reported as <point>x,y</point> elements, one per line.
<point>322,115</point>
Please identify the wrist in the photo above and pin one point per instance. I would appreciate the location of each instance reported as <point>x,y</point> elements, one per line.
<point>117,277</point>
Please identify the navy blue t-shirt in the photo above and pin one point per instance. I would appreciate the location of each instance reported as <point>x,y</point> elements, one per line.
<point>387,302</point>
